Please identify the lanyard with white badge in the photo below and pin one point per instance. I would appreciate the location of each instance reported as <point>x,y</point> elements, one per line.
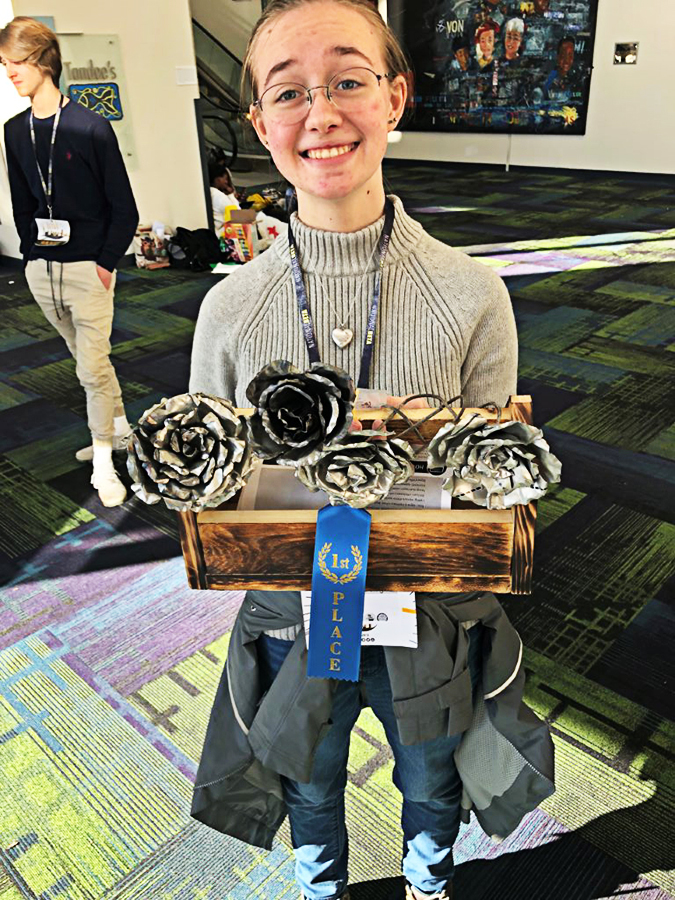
<point>386,615</point>
<point>51,231</point>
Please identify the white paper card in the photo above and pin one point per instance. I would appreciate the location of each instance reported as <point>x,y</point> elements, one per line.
<point>389,618</point>
<point>276,487</point>
<point>52,231</point>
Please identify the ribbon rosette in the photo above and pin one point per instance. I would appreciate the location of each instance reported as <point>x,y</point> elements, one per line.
<point>190,451</point>
<point>495,465</point>
<point>359,469</point>
<point>297,412</point>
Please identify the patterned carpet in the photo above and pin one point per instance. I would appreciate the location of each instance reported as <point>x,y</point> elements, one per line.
<point>108,663</point>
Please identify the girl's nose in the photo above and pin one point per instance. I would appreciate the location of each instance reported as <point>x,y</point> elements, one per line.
<point>323,112</point>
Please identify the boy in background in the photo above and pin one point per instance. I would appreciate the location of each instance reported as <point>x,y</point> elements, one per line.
<point>75,213</point>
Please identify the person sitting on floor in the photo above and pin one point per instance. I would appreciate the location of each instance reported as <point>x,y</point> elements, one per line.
<point>223,196</point>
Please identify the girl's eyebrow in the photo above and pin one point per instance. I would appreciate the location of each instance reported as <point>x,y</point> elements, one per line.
<point>336,51</point>
<point>279,67</point>
<point>351,51</point>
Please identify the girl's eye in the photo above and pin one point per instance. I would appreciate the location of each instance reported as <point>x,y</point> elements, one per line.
<point>287,96</point>
<point>347,84</point>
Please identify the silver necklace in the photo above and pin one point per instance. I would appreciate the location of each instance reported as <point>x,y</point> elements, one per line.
<point>343,336</point>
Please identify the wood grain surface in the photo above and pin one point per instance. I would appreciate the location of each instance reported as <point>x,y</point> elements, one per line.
<point>525,521</point>
<point>414,555</point>
<point>191,545</point>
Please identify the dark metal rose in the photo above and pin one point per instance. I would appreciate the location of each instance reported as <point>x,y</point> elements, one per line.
<point>359,469</point>
<point>190,451</point>
<point>496,465</point>
<point>296,412</point>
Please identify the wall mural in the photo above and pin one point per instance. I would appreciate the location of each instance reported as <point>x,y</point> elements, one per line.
<point>488,65</point>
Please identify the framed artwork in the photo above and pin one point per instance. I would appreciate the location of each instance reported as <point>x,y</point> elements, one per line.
<point>498,65</point>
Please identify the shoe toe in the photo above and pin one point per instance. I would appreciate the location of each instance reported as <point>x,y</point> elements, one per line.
<point>111,491</point>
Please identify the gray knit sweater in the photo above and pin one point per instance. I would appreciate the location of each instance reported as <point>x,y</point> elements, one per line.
<point>445,322</point>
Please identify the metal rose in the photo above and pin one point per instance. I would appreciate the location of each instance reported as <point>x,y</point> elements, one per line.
<point>190,451</point>
<point>359,469</point>
<point>296,412</point>
<point>495,465</point>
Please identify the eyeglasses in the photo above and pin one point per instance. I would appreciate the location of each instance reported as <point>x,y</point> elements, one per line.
<point>351,90</point>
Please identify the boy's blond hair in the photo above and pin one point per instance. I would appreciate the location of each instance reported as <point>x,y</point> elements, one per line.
<point>27,40</point>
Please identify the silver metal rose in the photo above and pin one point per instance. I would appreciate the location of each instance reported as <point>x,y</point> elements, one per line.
<point>297,412</point>
<point>495,465</point>
<point>190,451</point>
<point>359,469</point>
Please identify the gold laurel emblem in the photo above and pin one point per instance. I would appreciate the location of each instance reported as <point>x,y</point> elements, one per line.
<point>348,576</point>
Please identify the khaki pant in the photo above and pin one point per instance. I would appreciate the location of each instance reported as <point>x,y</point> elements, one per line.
<point>74,301</point>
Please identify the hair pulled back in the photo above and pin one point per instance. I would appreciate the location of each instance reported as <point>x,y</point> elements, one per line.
<point>27,40</point>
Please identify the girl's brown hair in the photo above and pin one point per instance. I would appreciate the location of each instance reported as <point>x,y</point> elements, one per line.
<point>27,40</point>
<point>394,55</point>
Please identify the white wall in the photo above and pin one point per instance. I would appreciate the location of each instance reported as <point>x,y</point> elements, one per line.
<point>231,21</point>
<point>155,37</point>
<point>631,116</point>
<point>10,105</point>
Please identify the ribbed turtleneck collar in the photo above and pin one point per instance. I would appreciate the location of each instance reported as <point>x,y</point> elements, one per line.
<point>337,253</point>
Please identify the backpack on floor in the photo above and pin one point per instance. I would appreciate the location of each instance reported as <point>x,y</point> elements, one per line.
<point>196,250</point>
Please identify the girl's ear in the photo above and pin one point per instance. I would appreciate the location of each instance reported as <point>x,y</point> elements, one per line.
<point>258,123</point>
<point>398,92</point>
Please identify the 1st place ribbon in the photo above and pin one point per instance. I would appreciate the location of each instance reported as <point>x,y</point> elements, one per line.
<point>338,589</point>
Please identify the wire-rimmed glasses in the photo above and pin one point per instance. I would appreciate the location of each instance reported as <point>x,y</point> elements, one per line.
<point>287,103</point>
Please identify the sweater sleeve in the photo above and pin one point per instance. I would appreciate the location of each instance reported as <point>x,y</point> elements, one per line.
<point>24,204</point>
<point>117,189</point>
<point>489,370</point>
<point>212,369</point>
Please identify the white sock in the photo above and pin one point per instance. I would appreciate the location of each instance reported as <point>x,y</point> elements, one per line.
<point>121,425</point>
<point>102,454</point>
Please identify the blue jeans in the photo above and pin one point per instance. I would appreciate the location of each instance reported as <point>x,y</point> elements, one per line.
<point>425,774</point>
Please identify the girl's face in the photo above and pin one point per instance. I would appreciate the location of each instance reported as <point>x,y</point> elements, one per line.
<point>309,45</point>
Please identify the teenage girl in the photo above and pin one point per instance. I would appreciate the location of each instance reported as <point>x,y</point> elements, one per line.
<point>327,82</point>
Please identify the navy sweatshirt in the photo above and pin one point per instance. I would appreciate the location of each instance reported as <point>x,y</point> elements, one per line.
<point>91,186</point>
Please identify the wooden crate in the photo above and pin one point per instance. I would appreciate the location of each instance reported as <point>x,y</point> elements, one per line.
<point>410,549</point>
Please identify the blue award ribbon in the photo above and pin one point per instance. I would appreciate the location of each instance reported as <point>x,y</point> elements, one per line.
<point>338,589</point>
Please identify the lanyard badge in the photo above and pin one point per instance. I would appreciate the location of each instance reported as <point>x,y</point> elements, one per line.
<point>342,533</point>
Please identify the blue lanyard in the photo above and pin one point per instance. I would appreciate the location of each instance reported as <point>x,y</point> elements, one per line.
<point>303,304</point>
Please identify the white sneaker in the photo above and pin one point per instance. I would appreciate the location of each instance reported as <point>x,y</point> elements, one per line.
<point>111,491</point>
<point>412,894</point>
<point>119,442</point>
<point>345,896</point>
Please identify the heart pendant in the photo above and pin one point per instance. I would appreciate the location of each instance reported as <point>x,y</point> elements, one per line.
<point>342,337</point>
